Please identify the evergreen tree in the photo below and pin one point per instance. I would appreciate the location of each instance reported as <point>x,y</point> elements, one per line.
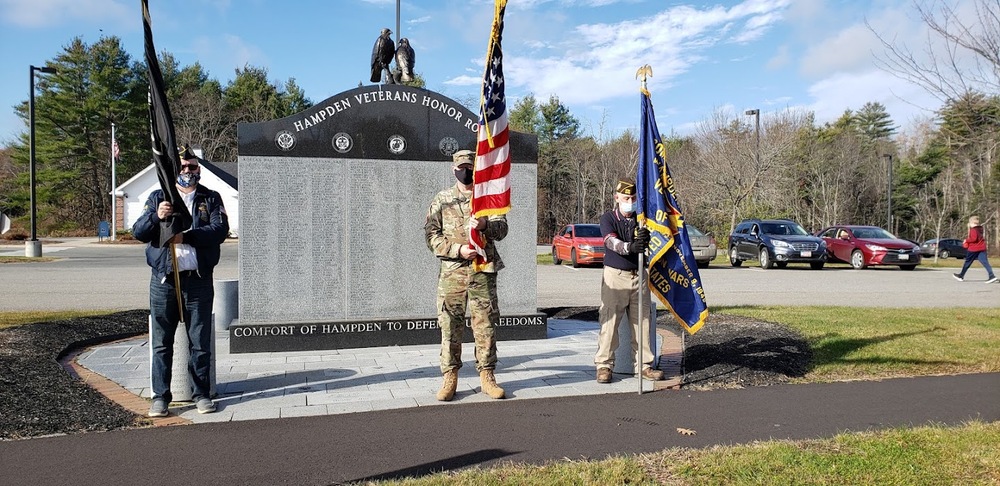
<point>526,116</point>
<point>874,121</point>
<point>556,122</point>
<point>94,87</point>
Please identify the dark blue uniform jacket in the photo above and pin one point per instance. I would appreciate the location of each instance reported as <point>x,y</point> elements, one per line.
<point>208,230</point>
<point>613,223</point>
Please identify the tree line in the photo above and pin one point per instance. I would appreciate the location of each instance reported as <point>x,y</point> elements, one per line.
<point>815,174</point>
<point>942,170</point>
<point>100,84</point>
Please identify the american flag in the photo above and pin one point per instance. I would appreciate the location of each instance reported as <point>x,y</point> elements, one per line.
<point>115,151</point>
<point>491,194</point>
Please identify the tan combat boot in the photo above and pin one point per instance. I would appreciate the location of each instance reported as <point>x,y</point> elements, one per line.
<point>447,391</point>
<point>490,384</point>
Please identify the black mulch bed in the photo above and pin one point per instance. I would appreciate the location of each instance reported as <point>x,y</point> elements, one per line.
<point>38,397</point>
<point>728,351</point>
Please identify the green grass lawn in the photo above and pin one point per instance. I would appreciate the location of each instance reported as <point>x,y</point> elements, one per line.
<point>924,455</point>
<point>21,259</point>
<point>872,343</point>
<point>17,318</point>
<point>956,263</point>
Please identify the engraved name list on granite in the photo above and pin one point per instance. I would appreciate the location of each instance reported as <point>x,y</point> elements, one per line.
<point>332,208</point>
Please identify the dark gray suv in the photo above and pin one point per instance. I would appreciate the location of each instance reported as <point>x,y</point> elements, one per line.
<point>775,243</point>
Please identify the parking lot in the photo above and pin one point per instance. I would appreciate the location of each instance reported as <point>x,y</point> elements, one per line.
<point>87,275</point>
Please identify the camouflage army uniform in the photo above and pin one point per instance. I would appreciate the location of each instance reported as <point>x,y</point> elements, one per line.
<point>459,284</point>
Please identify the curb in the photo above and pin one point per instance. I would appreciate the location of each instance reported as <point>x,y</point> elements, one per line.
<point>116,393</point>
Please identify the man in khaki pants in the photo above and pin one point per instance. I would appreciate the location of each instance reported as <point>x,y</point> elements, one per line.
<point>624,241</point>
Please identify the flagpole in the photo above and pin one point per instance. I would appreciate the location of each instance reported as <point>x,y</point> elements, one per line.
<point>642,313</point>
<point>114,197</point>
<point>642,73</point>
<point>177,284</point>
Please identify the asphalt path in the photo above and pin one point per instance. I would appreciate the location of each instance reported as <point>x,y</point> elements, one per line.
<point>414,442</point>
<point>89,276</point>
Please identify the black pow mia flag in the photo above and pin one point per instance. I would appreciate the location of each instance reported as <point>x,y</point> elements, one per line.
<point>165,155</point>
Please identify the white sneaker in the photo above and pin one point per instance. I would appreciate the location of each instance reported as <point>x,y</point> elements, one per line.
<point>205,405</point>
<point>994,279</point>
<point>158,408</point>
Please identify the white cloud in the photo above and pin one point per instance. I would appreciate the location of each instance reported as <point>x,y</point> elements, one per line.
<point>599,61</point>
<point>47,13</point>
<point>780,59</point>
<point>228,50</point>
<point>421,20</point>
<point>848,50</point>
<point>465,81</point>
<point>842,91</point>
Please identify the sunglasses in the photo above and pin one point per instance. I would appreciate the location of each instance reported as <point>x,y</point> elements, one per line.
<point>190,167</point>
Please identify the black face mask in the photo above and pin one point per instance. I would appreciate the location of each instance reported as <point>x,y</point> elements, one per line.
<point>464,175</point>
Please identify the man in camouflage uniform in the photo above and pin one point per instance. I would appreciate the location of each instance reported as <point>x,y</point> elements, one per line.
<point>447,232</point>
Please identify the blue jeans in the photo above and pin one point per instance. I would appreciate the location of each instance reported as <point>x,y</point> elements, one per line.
<point>973,256</point>
<point>197,295</point>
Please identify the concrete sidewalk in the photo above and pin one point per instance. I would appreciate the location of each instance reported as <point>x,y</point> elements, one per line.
<point>277,385</point>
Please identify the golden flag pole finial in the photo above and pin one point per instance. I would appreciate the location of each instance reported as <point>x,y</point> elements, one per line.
<point>644,72</point>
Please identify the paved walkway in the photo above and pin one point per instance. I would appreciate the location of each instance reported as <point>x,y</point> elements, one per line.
<point>416,441</point>
<point>253,386</point>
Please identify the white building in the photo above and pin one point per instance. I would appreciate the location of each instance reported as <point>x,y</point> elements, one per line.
<point>217,176</point>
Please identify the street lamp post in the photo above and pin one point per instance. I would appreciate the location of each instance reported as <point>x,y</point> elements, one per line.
<point>33,247</point>
<point>756,115</point>
<point>888,193</point>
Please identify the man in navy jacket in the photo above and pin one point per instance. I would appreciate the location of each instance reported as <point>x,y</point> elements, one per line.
<point>198,250</point>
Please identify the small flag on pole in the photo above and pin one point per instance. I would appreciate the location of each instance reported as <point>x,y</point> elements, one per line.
<point>491,192</point>
<point>673,271</point>
<point>115,151</point>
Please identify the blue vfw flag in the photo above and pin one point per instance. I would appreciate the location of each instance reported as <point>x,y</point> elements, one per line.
<point>673,272</point>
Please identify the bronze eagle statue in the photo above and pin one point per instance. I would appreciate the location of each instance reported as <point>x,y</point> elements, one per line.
<point>382,55</point>
<point>404,61</point>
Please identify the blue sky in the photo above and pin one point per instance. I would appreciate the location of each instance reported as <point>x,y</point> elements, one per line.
<point>814,55</point>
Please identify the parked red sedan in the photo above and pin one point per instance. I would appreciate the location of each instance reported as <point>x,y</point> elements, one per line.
<point>581,244</point>
<point>862,246</point>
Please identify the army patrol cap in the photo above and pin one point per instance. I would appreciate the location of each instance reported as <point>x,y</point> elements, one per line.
<point>625,187</point>
<point>186,152</point>
<point>463,157</point>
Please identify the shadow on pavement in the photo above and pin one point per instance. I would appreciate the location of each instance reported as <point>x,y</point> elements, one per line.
<point>452,463</point>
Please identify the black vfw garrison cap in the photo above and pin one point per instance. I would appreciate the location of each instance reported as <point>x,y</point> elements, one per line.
<point>186,152</point>
<point>625,187</point>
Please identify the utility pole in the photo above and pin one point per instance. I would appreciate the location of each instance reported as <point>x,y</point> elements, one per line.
<point>33,247</point>
<point>756,114</point>
<point>888,194</point>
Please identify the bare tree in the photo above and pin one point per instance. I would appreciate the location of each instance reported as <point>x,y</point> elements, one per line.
<point>202,120</point>
<point>961,52</point>
<point>739,175</point>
